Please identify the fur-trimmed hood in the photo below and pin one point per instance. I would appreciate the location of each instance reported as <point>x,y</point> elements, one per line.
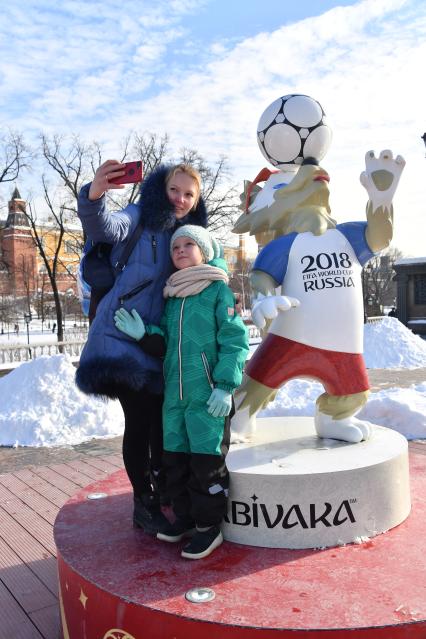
<point>157,213</point>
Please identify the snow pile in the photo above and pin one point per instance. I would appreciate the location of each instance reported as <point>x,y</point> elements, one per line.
<point>390,344</point>
<point>296,398</point>
<point>402,409</point>
<point>41,406</point>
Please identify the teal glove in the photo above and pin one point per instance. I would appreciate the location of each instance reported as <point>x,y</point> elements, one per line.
<point>219,403</point>
<point>131,324</point>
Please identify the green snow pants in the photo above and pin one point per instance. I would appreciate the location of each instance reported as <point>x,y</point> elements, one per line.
<point>189,428</point>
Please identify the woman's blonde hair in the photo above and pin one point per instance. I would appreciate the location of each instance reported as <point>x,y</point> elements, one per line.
<point>188,170</point>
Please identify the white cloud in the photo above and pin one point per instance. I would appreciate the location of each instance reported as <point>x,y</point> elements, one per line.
<point>92,69</point>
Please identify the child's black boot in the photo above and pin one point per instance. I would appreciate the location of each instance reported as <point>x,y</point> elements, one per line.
<point>147,514</point>
<point>177,531</point>
<point>203,543</point>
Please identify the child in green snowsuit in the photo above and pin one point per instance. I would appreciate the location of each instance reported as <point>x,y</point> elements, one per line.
<point>205,345</point>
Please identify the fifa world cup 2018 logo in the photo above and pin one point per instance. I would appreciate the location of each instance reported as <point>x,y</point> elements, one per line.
<point>115,633</point>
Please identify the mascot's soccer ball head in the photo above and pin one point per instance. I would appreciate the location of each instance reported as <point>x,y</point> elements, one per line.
<point>291,129</point>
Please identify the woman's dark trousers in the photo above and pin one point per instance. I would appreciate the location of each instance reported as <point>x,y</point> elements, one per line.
<point>143,438</point>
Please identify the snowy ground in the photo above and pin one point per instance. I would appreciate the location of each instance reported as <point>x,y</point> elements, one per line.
<point>41,333</point>
<point>41,406</point>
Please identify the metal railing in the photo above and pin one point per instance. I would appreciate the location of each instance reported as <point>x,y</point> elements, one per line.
<point>253,333</point>
<point>15,354</point>
<point>375,319</point>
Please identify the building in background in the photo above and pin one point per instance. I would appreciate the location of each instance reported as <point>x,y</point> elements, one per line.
<point>236,255</point>
<point>239,262</point>
<point>22,269</point>
<point>18,255</point>
<point>411,293</point>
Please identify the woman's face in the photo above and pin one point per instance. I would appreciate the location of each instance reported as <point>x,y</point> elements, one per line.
<point>186,252</point>
<point>182,191</point>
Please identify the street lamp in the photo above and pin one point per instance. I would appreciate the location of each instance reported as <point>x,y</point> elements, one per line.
<point>28,317</point>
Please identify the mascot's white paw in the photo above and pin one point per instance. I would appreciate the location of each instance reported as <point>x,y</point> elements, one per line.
<point>349,429</point>
<point>381,177</point>
<point>243,426</point>
<point>268,307</point>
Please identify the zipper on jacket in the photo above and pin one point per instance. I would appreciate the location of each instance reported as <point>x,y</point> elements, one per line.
<point>207,369</point>
<point>133,292</point>
<point>180,349</point>
<point>154,248</point>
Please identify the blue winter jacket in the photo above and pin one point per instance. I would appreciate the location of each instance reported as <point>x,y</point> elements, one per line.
<point>112,361</point>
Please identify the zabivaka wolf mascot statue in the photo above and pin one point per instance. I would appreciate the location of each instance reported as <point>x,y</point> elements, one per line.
<point>306,281</point>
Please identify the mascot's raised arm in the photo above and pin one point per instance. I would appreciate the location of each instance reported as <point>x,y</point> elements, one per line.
<point>306,280</point>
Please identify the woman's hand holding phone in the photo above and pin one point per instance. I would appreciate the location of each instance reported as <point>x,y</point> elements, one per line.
<point>113,174</point>
<point>101,182</point>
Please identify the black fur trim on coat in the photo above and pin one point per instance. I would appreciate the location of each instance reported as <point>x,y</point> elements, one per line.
<point>157,213</point>
<point>105,376</point>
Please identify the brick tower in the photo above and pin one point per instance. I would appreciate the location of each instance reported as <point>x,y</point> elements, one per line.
<point>18,248</point>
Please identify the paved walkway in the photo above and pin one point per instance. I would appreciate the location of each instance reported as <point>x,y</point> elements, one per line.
<point>381,378</point>
<point>30,499</point>
<point>12,459</point>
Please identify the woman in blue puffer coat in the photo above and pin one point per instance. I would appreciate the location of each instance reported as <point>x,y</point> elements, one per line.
<point>112,364</point>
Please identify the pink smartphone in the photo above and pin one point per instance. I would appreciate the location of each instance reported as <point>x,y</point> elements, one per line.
<point>134,173</point>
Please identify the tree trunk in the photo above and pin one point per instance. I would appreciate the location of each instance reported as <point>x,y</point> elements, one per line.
<point>58,309</point>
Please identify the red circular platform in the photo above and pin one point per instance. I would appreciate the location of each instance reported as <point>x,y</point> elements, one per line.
<point>118,583</point>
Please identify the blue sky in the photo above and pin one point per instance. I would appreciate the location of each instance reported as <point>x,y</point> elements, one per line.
<point>240,19</point>
<point>204,70</point>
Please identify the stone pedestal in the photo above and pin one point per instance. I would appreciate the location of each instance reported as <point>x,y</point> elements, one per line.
<point>290,489</point>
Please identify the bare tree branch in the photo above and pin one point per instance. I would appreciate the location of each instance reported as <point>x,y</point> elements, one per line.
<point>149,148</point>
<point>15,155</point>
<point>379,288</point>
<point>69,159</point>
